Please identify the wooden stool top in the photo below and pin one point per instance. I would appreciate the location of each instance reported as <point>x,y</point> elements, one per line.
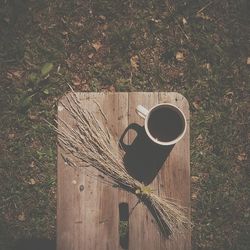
<point>88,209</point>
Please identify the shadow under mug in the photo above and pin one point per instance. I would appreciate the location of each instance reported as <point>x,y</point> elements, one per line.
<point>143,158</point>
<point>165,124</point>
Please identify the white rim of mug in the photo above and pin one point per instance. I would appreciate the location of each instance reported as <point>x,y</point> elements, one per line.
<point>169,142</point>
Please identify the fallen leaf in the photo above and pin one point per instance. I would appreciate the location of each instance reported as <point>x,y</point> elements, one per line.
<point>206,66</point>
<point>228,97</point>
<point>230,94</point>
<point>194,196</point>
<point>195,179</point>
<point>197,102</point>
<point>32,116</point>
<point>21,217</point>
<point>102,17</point>
<point>90,55</point>
<point>97,45</point>
<point>11,136</point>
<point>47,67</point>
<point>17,74</point>
<point>134,61</point>
<point>180,56</point>
<point>32,181</point>
<point>46,91</point>
<point>65,33</point>
<point>32,164</point>
<point>199,137</point>
<point>184,21</point>
<point>242,157</point>
<point>76,80</point>
<point>79,23</point>
<point>203,16</point>
<point>155,20</point>
<point>248,61</point>
<point>196,105</point>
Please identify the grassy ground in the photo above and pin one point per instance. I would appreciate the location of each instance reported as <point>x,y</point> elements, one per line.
<point>198,48</point>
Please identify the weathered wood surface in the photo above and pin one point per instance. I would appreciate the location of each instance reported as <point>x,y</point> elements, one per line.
<point>88,210</point>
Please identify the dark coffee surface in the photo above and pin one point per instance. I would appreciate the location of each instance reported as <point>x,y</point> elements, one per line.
<point>164,124</point>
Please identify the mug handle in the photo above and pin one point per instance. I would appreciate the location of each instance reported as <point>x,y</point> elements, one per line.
<point>141,111</point>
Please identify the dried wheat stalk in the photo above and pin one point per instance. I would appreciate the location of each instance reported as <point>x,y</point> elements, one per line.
<point>89,144</point>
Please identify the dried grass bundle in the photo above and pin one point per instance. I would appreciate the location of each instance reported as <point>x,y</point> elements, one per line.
<point>90,144</point>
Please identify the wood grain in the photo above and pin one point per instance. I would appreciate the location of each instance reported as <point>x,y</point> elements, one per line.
<point>88,209</point>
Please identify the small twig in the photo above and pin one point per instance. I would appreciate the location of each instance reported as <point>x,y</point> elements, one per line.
<point>203,8</point>
<point>186,36</point>
<point>182,30</point>
<point>132,209</point>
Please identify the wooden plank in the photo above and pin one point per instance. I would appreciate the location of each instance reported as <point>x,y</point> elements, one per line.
<point>71,200</point>
<point>174,177</point>
<point>122,123</point>
<point>89,219</point>
<point>108,196</point>
<point>143,231</point>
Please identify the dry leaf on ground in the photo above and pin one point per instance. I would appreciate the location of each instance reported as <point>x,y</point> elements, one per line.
<point>206,66</point>
<point>197,102</point>
<point>65,33</point>
<point>196,105</point>
<point>242,156</point>
<point>134,61</point>
<point>199,137</point>
<point>195,179</point>
<point>11,136</point>
<point>76,80</point>
<point>16,74</point>
<point>203,16</point>
<point>32,181</point>
<point>184,20</point>
<point>180,56</point>
<point>32,116</point>
<point>102,17</point>
<point>90,55</point>
<point>97,45</point>
<point>21,217</point>
<point>194,196</point>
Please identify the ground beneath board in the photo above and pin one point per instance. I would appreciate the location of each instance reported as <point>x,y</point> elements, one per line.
<point>198,48</point>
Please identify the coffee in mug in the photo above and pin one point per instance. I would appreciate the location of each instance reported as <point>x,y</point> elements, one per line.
<point>165,123</point>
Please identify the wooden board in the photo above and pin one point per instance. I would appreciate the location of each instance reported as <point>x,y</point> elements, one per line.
<point>88,209</point>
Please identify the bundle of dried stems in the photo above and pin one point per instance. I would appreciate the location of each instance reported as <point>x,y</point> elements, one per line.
<point>89,143</point>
